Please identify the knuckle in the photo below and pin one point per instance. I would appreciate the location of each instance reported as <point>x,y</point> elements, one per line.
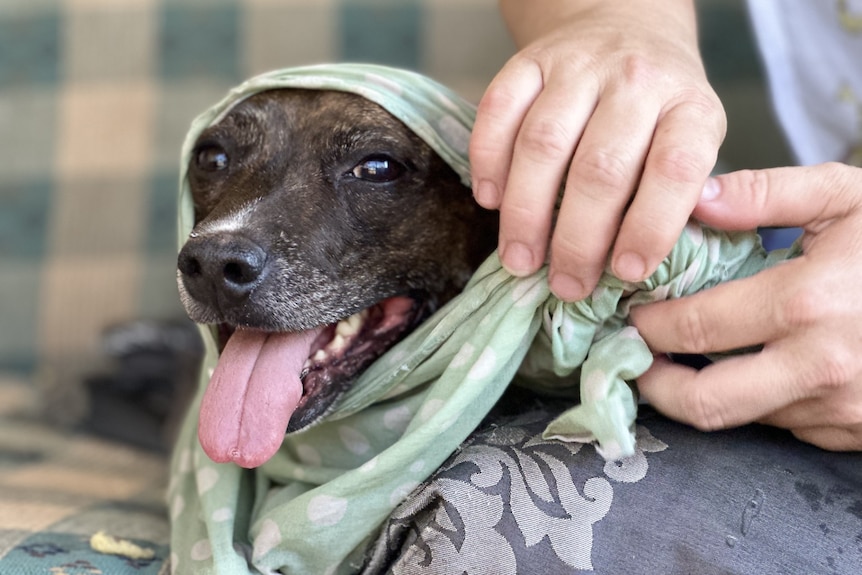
<point>701,118</point>
<point>600,168</point>
<point>496,102</point>
<point>637,70</point>
<point>571,251</point>
<point>680,165</point>
<point>705,105</point>
<point>524,223</point>
<point>842,178</point>
<point>703,411</point>
<point>708,106</point>
<point>753,186</point>
<point>633,69</point>
<point>694,335</point>
<point>546,138</point>
<point>835,369</point>
<point>847,414</point>
<point>802,308</point>
<point>481,150</point>
<point>833,171</point>
<point>490,113</point>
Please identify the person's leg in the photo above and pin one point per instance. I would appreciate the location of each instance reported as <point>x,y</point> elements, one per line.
<point>751,500</point>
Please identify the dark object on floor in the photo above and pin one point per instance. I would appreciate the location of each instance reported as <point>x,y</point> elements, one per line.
<point>150,376</point>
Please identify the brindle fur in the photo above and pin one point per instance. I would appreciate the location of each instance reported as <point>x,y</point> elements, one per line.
<point>323,243</point>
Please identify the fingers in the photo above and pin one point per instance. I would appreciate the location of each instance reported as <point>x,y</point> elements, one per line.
<point>681,156</point>
<point>518,167</point>
<point>601,180</point>
<point>725,394</point>
<point>582,99</point>
<point>741,390</point>
<point>534,131</point>
<point>790,196</point>
<point>542,153</point>
<point>831,438</point>
<point>812,413</point>
<point>808,376</point>
<point>732,315</point>
<point>498,120</point>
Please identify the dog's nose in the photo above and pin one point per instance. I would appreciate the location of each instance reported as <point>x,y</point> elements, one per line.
<point>228,267</point>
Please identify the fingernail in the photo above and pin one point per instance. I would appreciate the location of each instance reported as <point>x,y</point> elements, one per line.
<point>566,287</point>
<point>517,258</point>
<point>486,193</point>
<point>630,267</point>
<point>710,190</point>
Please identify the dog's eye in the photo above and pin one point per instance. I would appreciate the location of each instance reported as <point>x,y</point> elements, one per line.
<point>378,169</point>
<point>212,158</point>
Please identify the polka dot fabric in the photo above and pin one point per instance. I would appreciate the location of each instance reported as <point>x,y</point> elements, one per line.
<point>317,503</point>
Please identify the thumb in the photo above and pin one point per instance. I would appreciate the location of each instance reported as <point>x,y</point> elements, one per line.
<point>788,196</point>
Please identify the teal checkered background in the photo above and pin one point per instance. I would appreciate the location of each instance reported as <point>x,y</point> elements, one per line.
<point>96,95</point>
<point>95,98</point>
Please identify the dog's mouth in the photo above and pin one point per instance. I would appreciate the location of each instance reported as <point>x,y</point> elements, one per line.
<point>345,349</point>
<point>269,383</point>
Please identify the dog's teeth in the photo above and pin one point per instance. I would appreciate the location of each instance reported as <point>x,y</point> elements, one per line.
<point>356,320</point>
<point>338,342</point>
<point>320,355</point>
<point>350,326</point>
<point>344,328</point>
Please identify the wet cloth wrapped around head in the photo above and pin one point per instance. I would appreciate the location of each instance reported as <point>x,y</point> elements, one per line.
<point>316,503</point>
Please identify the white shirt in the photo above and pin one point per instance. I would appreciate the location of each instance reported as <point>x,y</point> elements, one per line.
<point>812,50</point>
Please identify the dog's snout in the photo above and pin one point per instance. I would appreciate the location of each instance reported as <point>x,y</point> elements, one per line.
<point>224,268</point>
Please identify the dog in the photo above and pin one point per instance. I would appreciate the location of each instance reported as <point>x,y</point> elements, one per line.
<point>325,231</point>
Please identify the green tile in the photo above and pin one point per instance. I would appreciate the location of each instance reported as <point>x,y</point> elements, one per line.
<point>199,40</point>
<point>110,44</point>
<point>28,117</point>
<point>162,214</point>
<point>158,296</point>
<point>98,217</point>
<point>382,32</point>
<point>24,220</point>
<point>19,299</point>
<point>280,35</point>
<point>29,48</point>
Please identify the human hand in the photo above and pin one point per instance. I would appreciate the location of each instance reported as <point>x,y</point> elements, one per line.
<point>805,312</point>
<point>615,94</point>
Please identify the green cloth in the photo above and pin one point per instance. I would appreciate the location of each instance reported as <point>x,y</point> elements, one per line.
<point>314,506</point>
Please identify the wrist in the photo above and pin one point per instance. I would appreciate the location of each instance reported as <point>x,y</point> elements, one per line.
<point>528,20</point>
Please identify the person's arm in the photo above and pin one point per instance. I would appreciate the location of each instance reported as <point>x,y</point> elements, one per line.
<point>610,96</point>
<point>805,312</point>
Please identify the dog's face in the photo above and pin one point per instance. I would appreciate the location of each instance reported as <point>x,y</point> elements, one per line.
<point>325,230</point>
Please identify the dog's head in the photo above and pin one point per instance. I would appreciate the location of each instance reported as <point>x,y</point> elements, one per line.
<point>325,230</point>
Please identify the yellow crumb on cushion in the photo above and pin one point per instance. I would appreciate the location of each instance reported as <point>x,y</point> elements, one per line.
<point>104,543</point>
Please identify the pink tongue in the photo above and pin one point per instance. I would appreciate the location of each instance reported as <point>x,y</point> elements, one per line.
<point>252,393</point>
